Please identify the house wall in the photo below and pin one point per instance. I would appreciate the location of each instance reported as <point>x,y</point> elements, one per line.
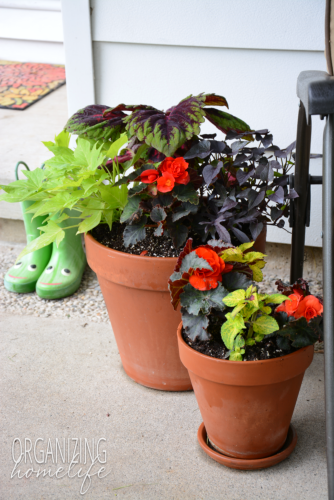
<point>157,52</point>
<point>31,31</point>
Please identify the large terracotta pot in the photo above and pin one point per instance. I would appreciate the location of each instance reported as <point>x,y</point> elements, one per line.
<point>136,294</point>
<point>246,406</point>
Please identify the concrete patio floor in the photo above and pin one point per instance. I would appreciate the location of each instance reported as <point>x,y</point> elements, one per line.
<point>63,378</point>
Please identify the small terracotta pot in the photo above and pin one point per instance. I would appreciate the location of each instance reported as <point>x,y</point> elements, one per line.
<point>246,406</point>
<point>135,290</point>
<point>260,242</point>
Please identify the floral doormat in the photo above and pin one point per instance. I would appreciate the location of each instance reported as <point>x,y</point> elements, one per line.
<point>22,84</point>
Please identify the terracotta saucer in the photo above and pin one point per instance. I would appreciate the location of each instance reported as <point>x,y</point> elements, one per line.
<point>251,464</point>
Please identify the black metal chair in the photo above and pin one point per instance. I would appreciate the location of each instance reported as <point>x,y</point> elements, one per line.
<point>315,90</point>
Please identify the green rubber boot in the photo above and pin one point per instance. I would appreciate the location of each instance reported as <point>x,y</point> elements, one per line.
<point>23,276</point>
<point>62,276</point>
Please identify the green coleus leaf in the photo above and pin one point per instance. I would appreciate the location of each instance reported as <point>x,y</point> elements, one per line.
<point>250,342</point>
<point>265,325</point>
<point>195,325</point>
<point>135,232</point>
<point>236,355</point>
<point>192,261</point>
<point>276,298</point>
<point>234,298</point>
<point>231,328</point>
<point>257,273</point>
<point>131,209</point>
<point>92,122</point>
<point>186,192</point>
<point>194,300</point>
<point>224,121</point>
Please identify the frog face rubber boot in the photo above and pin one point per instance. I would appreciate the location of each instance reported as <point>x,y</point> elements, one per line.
<point>23,276</point>
<point>62,276</point>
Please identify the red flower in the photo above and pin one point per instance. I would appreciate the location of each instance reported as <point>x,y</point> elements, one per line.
<point>177,168</point>
<point>309,307</point>
<point>204,279</point>
<point>149,176</point>
<point>290,306</point>
<point>165,183</point>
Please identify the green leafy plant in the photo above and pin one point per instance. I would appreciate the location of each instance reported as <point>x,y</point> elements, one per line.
<point>250,320</point>
<point>78,180</point>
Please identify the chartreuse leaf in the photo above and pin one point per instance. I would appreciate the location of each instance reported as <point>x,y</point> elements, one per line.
<point>35,178</point>
<point>237,355</point>
<point>53,205</point>
<point>85,156</point>
<point>52,232</point>
<point>233,299</point>
<point>231,328</point>
<point>116,146</point>
<point>109,217</point>
<point>265,325</point>
<point>251,256</point>
<point>257,273</point>
<point>276,298</point>
<point>114,196</point>
<point>92,221</point>
<point>246,246</point>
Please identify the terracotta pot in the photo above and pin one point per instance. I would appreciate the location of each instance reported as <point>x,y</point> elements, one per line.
<point>246,406</point>
<point>136,294</point>
<point>260,242</point>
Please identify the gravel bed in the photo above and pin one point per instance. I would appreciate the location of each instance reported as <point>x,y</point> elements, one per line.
<point>87,303</point>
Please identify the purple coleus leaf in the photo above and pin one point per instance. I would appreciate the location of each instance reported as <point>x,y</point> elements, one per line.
<point>93,123</point>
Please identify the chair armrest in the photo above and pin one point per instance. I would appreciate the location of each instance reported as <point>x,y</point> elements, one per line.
<point>315,89</point>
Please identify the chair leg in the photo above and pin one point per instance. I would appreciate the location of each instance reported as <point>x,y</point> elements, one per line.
<point>301,186</point>
<point>328,281</point>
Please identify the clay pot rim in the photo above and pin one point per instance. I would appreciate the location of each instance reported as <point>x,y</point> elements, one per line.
<point>232,363</point>
<point>129,255</point>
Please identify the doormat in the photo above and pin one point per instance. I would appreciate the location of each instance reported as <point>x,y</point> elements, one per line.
<point>23,84</point>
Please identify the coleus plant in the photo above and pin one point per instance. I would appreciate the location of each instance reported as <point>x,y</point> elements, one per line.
<point>216,282</point>
<point>162,132</point>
